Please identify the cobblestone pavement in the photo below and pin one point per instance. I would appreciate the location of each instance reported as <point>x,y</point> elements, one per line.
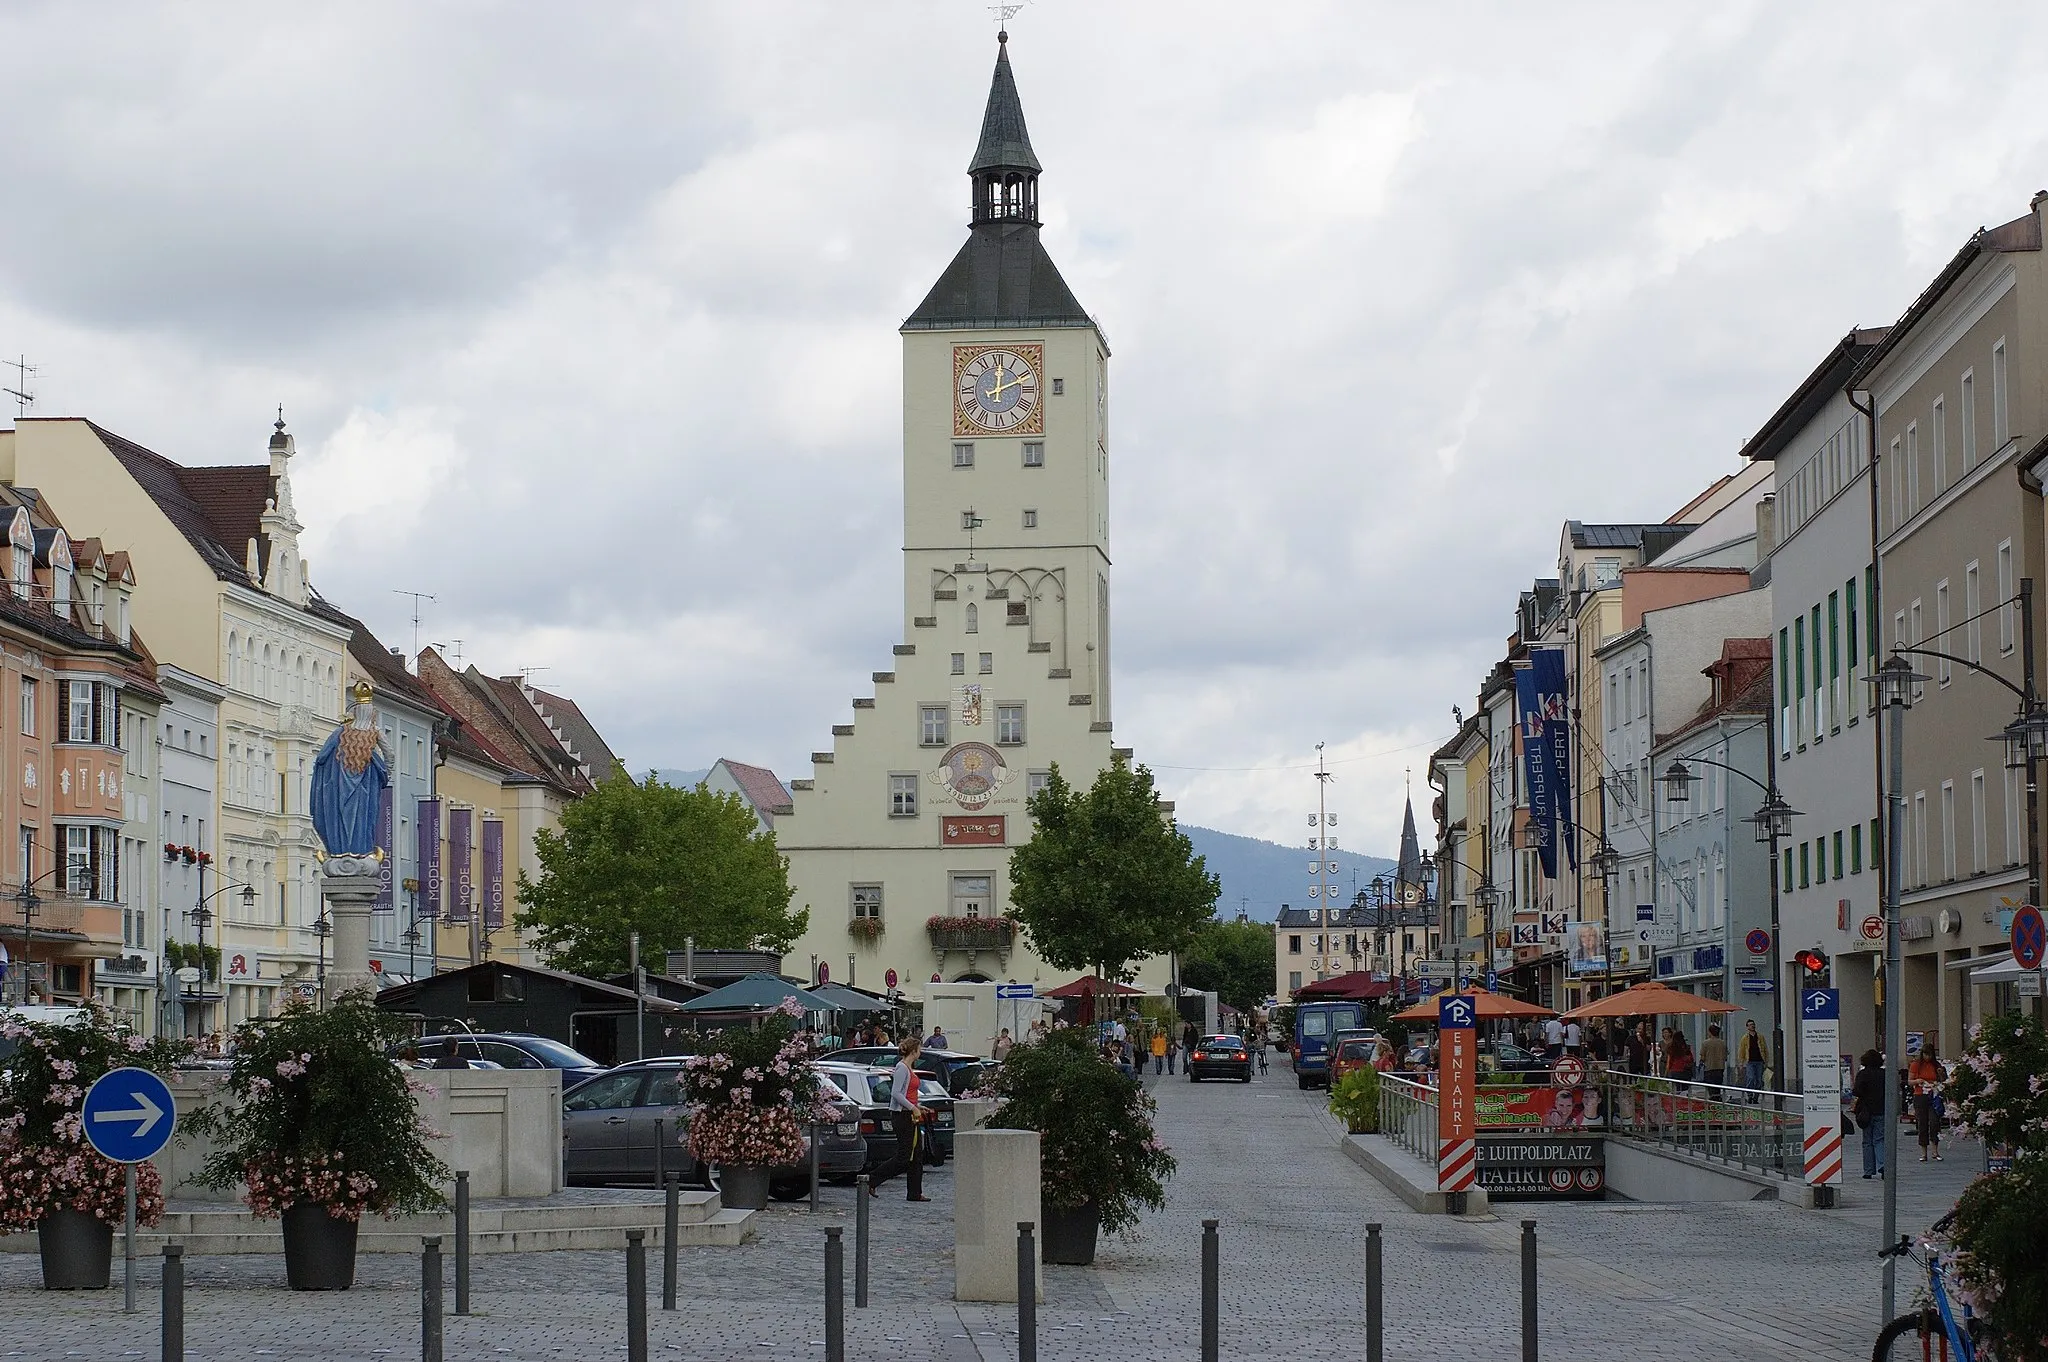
<point>1754,1279</point>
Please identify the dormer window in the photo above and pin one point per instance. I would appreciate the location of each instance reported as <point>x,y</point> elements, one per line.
<point>24,569</point>
<point>60,591</point>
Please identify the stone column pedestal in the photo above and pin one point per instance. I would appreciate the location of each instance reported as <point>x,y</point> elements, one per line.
<point>348,908</point>
<point>995,1185</point>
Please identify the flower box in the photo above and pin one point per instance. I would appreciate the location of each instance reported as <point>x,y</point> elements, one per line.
<point>971,933</point>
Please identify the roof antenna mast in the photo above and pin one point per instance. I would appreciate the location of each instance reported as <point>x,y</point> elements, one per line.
<point>23,398</point>
<point>1002,15</point>
<point>417,597</point>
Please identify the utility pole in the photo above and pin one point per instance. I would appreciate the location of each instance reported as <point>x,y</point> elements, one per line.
<point>1323,870</point>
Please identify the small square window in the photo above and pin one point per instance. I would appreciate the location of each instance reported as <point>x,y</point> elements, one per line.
<point>867,902</point>
<point>1034,453</point>
<point>1059,387</point>
<point>932,726</point>
<point>1009,725</point>
<point>969,521</point>
<point>903,796</point>
<point>1031,520</point>
<point>963,456</point>
<point>959,664</point>
<point>988,664</point>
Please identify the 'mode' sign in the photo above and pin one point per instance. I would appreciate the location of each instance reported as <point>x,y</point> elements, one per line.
<point>1457,1119</point>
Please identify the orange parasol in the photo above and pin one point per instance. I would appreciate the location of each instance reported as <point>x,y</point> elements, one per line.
<point>1488,1006</point>
<point>1649,1000</point>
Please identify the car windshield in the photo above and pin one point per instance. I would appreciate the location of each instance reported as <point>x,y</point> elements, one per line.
<point>556,1055</point>
<point>1354,1049</point>
<point>1316,1024</point>
<point>929,1087</point>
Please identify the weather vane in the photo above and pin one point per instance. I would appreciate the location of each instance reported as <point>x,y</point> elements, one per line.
<point>1003,14</point>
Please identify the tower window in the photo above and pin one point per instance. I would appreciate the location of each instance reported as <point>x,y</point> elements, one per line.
<point>973,618</point>
<point>1034,450</point>
<point>988,664</point>
<point>959,664</point>
<point>963,456</point>
<point>1031,520</point>
<point>1009,724</point>
<point>932,725</point>
<point>902,796</point>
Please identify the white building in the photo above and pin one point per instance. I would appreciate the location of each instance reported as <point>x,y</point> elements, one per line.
<point>187,743</point>
<point>899,842</point>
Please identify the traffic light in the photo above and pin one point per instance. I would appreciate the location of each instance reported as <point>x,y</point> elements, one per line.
<point>1813,965</point>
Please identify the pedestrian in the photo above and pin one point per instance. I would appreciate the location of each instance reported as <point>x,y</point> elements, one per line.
<point>1158,1052</point>
<point>1596,1044</point>
<point>936,1040</point>
<point>1752,1054</point>
<point>450,1056</point>
<point>1867,1105</point>
<point>1553,1039</point>
<point>1036,1032</point>
<point>1714,1059</point>
<point>907,1116</point>
<point>1574,1038</point>
<point>1926,1075</point>
<point>1172,1051</point>
<point>1003,1046</point>
<point>1678,1064</point>
<point>1188,1037</point>
<point>1262,1047</point>
<point>1639,1049</point>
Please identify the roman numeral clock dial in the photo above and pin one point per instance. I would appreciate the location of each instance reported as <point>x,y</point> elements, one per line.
<point>996,390</point>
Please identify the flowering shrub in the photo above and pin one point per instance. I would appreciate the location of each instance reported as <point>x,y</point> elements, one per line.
<point>987,926</point>
<point>1096,1142</point>
<point>2000,1231</point>
<point>752,1092</point>
<point>1996,1088</point>
<point>45,1162</point>
<point>320,1116</point>
<point>866,928</point>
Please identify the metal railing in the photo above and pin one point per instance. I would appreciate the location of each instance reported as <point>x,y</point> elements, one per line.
<point>1408,1116</point>
<point>1744,1127</point>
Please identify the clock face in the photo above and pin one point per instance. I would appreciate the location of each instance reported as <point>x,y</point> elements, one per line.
<point>996,390</point>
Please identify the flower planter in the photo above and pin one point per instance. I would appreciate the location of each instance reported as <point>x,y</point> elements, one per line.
<point>78,1251</point>
<point>743,1189</point>
<point>319,1249</point>
<point>1070,1235</point>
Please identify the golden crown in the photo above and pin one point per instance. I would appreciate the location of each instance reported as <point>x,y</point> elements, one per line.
<point>361,692</point>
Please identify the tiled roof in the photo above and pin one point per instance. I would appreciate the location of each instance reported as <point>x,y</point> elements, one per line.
<point>1004,145</point>
<point>218,510</point>
<point>1001,277</point>
<point>764,789</point>
<point>386,672</point>
<point>575,731</point>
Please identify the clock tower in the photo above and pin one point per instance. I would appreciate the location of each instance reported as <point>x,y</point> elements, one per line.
<point>899,842</point>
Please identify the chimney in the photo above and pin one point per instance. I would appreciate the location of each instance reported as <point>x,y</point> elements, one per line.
<point>1766,527</point>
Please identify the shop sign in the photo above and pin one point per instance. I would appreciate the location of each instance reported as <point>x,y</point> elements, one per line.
<point>989,830</point>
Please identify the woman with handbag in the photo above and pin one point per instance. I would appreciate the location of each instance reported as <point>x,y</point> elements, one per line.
<point>1925,1076</point>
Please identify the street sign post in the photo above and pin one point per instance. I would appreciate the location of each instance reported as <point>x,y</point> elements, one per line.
<point>1020,991</point>
<point>1457,1104</point>
<point>1872,928</point>
<point>1568,1072</point>
<point>1758,942</point>
<point>1436,969</point>
<point>1492,981</point>
<point>2029,937</point>
<point>129,1115</point>
<point>1820,1040</point>
<point>1758,986</point>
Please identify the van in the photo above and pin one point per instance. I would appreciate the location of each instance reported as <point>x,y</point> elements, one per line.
<point>1314,1024</point>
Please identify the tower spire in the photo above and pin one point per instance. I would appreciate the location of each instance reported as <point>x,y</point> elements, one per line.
<point>1004,169</point>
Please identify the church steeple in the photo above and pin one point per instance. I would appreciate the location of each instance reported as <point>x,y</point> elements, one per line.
<point>1004,169</point>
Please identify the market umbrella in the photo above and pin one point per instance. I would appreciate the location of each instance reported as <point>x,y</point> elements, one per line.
<point>1358,985</point>
<point>843,999</point>
<point>1650,1000</point>
<point>1088,985</point>
<point>1487,1006</point>
<point>756,991</point>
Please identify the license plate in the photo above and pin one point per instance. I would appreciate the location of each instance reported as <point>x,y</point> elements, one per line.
<point>849,1127</point>
<point>945,1120</point>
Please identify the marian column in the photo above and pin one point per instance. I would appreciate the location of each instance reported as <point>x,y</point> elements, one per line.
<point>349,777</point>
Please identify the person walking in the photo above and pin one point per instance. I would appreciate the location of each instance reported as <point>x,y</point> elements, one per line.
<point>936,1040</point>
<point>907,1116</point>
<point>1172,1051</point>
<point>1924,1076</point>
<point>1159,1052</point>
<point>1867,1105</point>
<point>1714,1059</point>
<point>1553,1039</point>
<point>1003,1046</point>
<point>1752,1054</point>
<point>1574,1038</point>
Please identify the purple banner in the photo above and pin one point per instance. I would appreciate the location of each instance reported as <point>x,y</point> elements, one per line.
<point>429,904</point>
<point>1548,665</point>
<point>1536,770</point>
<point>494,874</point>
<point>387,869</point>
<point>459,874</point>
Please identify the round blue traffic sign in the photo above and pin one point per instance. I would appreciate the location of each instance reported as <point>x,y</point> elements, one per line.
<point>2029,937</point>
<point>1758,941</point>
<point>129,1115</point>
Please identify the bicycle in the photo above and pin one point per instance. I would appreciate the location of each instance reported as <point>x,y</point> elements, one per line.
<point>1935,1332</point>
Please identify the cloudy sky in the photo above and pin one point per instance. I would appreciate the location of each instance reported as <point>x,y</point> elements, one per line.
<point>1393,290</point>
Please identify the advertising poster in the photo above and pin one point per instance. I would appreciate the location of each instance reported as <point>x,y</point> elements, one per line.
<point>388,867</point>
<point>460,821</point>
<point>1587,944</point>
<point>429,827</point>
<point>1522,1168</point>
<point>1536,771</point>
<point>1538,1109</point>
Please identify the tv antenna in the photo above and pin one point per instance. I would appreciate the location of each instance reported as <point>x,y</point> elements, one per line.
<point>23,398</point>
<point>526,673</point>
<point>417,597</point>
<point>1002,14</point>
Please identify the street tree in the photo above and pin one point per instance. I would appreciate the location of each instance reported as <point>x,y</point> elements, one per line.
<point>1233,960</point>
<point>1107,879</point>
<point>668,863</point>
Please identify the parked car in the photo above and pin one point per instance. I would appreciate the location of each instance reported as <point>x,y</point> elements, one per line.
<point>959,1071</point>
<point>1220,1057</point>
<point>1350,1050</point>
<point>612,1125</point>
<point>1504,1056</point>
<point>871,1086</point>
<point>510,1050</point>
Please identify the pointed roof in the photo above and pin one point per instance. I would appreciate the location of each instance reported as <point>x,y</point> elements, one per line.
<point>1005,145</point>
<point>1408,870</point>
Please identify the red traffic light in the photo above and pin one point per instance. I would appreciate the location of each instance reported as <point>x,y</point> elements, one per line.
<point>1812,961</point>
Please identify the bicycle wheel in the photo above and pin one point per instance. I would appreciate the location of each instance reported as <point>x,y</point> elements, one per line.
<point>1912,1338</point>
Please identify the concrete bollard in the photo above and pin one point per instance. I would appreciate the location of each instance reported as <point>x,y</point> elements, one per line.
<point>430,1299</point>
<point>1529,1291</point>
<point>636,1295</point>
<point>835,1296</point>
<point>174,1303</point>
<point>1375,1318</point>
<point>995,1188</point>
<point>1212,1272</point>
<point>671,1222</point>
<point>860,1242</point>
<point>461,1243</point>
<point>1027,1293</point>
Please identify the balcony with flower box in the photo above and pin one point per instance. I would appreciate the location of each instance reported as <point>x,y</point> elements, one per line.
<point>971,935</point>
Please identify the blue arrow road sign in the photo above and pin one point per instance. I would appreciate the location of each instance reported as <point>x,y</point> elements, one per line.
<point>129,1114</point>
<point>1008,991</point>
<point>1821,1004</point>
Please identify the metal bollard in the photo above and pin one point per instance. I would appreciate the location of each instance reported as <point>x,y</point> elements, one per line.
<point>462,1243</point>
<point>1375,1316</point>
<point>860,1242</point>
<point>817,1136</point>
<point>430,1299</point>
<point>1212,1272</point>
<point>636,1296</point>
<point>1027,1294</point>
<point>671,1218</point>
<point>174,1303</point>
<point>660,1139</point>
<point>835,1296</point>
<point>1528,1291</point>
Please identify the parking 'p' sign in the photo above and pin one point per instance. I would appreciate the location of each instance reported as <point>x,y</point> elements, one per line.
<point>129,1115</point>
<point>2029,937</point>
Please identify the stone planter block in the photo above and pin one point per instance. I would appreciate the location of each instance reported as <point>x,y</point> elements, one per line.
<point>995,1185</point>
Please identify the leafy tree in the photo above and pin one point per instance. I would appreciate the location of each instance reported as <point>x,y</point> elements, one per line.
<point>1233,960</point>
<point>665,862</point>
<point>1106,879</point>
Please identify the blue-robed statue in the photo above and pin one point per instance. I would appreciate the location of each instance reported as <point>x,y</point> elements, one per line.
<point>349,777</point>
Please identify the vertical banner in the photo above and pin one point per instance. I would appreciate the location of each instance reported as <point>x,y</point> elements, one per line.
<point>459,878</point>
<point>1548,666</point>
<point>429,827</point>
<point>1820,1041</point>
<point>494,873</point>
<point>387,869</point>
<point>1457,1113</point>
<point>1536,770</point>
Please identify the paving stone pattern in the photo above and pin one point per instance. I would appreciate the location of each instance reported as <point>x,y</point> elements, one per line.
<point>1754,1279</point>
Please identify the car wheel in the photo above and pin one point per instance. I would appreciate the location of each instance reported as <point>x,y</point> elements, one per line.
<point>705,1176</point>
<point>1193,1079</point>
<point>1246,1079</point>
<point>1301,1081</point>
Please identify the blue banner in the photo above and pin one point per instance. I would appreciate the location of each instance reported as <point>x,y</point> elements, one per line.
<point>1536,770</point>
<point>1547,665</point>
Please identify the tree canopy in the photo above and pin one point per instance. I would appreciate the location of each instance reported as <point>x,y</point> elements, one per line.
<point>1106,878</point>
<point>1233,960</point>
<point>668,863</point>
